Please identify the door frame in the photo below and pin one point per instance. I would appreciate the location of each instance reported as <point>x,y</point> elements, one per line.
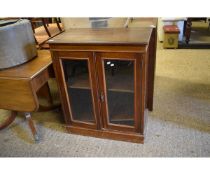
<point>139,101</point>
<point>77,55</point>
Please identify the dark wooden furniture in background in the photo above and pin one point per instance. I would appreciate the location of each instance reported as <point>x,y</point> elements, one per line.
<point>188,27</point>
<point>106,80</point>
<point>20,86</point>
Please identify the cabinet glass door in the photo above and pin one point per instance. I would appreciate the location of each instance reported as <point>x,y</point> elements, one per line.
<point>118,89</point>
<point>79,87</point>
<point>119,77</point>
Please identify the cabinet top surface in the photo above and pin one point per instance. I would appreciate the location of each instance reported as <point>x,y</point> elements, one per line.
<point>125,36</point>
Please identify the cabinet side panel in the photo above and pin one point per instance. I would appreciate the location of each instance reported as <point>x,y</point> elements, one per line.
<point>151,68</point>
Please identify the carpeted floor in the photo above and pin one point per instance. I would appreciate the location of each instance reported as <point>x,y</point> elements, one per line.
<point>179,126</point>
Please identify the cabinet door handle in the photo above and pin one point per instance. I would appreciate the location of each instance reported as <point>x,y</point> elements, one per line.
<point>102,97</point>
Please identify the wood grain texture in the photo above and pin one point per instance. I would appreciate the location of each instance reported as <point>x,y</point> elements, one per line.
<point>29,69</point>
<point>99,48</point>
<point>114,135</point>
<point>108,36</point>
<point>100,57</point>
<point>151,53</point>
<point>18,85</point>
<point>134,44</point>
<point>17,95</point>
<point>79,56</point>
<point>39,80</point>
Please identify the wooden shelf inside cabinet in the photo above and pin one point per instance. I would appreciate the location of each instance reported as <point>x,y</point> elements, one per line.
<point>122,119</point>
<point>79,82</point>
<point>122,86</point>
<point>84,119</point>
<point>78,85</point>
<point>120,80</point>
<point>123,122</point>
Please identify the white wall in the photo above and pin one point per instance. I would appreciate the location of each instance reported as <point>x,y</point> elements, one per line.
<point>170,21</point>
<point>86,23</point>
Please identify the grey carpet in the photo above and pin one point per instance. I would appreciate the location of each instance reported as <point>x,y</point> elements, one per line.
<point>163,138</point>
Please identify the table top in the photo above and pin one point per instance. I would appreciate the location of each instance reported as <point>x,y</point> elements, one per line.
<point>29,69</point>
<point>106,36</point>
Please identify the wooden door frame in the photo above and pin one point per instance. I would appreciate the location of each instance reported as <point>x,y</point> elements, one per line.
<point>76,55</point>
<point>138,89</point>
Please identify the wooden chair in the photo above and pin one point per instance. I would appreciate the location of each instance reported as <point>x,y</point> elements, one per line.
<point>45,22</point>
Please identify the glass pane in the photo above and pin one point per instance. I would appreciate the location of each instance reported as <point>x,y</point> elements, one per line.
<point>79,91</point>
<point>119,77</point>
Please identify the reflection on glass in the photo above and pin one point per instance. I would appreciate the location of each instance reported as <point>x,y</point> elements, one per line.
<point>79,91</point>
<point>98,22</point>
<point>119,77</point>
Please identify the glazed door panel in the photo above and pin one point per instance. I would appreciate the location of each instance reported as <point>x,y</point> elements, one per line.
<point>79,82</point>
<point>117,76</point>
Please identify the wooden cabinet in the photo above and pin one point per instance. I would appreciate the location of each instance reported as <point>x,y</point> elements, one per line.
<point>104,80</point>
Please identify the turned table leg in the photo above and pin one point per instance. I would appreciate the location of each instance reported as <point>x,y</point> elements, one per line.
<point>9,120</point>
<point>45,92</point>
<point>32,126</point>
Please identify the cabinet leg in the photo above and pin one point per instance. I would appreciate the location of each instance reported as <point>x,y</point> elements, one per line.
<point>32,126</point>
<point>151,69</point>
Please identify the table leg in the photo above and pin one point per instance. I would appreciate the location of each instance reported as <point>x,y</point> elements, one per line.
<point>9,120</point>
<point>58,25</point>
<point>32,126</point>
<point>45,92</point>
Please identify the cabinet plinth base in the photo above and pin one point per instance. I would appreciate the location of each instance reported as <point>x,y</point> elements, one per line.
<point>107,134</point>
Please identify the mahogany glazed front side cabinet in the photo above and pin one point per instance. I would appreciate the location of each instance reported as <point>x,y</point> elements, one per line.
<point>106,80</point>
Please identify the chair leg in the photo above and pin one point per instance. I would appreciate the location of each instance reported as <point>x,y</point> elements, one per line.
<point>44,24</point>
<point>58,25</point>
<point>32,126</point>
